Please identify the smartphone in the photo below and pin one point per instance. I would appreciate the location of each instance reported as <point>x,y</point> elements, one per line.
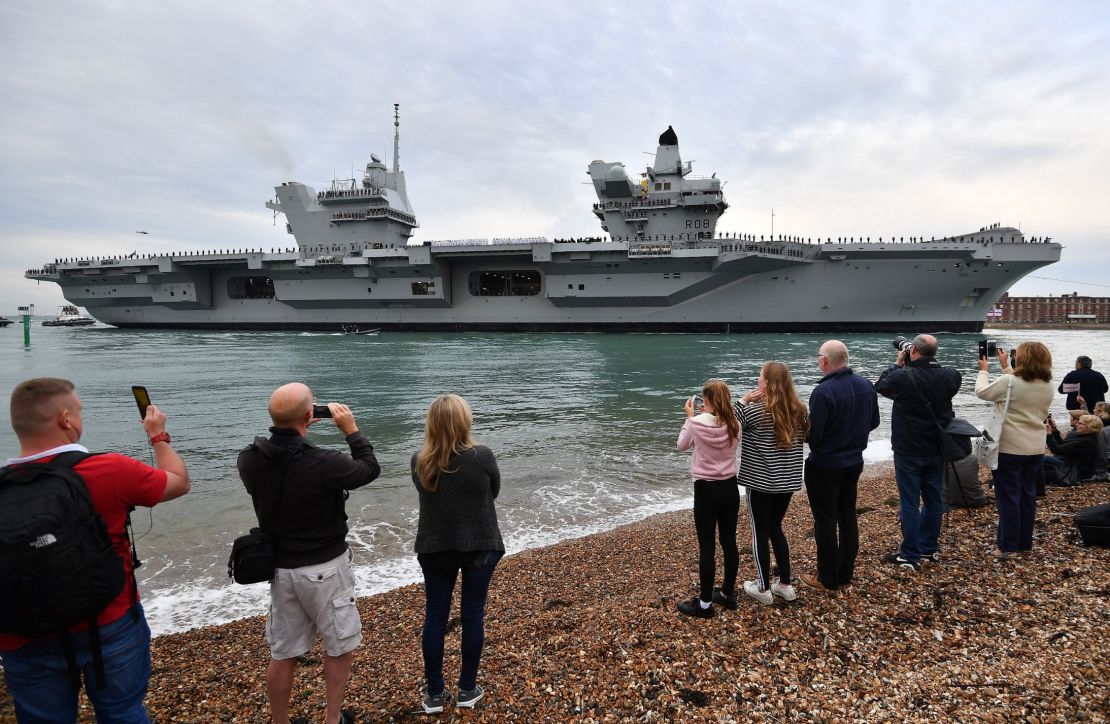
<point>142,399</point>
<point>699,402</point>
<point>988,348</point>
<point>321,411</point>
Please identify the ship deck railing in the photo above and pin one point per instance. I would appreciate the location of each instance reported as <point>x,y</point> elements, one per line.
<point>348,194</point>
<point>667,248</point>
<point>370,214</point>
<point>732,241</point>
<point>981,237</point>
<point>634,204</point>
<point>497,241</point>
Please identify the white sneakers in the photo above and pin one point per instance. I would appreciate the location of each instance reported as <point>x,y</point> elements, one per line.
<point>784,591</point>
<point>752,589</point>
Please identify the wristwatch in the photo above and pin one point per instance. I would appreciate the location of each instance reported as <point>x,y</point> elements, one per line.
<point>160,437</point>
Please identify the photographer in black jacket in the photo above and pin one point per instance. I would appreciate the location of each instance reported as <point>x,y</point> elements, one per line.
<point>922,392</point>
<point>299,491</point>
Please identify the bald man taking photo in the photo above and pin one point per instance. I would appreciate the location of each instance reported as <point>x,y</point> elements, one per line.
<point>299,491</point>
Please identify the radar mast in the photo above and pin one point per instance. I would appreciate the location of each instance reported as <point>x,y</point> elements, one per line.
<point>396,137</point>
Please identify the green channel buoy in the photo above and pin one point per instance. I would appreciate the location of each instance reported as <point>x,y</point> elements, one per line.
<point>27,312</point>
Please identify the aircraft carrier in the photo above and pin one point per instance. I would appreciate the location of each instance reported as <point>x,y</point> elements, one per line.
<point>660,265</point>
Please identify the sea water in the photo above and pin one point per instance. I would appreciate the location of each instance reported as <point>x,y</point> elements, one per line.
<point>583,426</point>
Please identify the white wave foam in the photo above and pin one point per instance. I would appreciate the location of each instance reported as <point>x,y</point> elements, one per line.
<point>206,600</point>
<point>878,451</point>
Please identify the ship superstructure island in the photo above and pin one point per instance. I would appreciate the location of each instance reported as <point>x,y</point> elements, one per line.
<point>660,266</point>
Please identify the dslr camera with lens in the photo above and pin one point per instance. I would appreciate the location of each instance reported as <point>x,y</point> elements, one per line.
<point>902,344</point>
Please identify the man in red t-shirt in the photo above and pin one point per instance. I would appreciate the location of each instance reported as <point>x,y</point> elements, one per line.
<point>46,417</point>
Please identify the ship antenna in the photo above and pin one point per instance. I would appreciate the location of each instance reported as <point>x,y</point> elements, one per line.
<point>396,137</point>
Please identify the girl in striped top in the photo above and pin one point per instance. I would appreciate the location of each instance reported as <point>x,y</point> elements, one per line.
<point>774,424</point>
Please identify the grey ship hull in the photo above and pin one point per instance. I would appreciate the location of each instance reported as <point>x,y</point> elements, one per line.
<point>717,285</point>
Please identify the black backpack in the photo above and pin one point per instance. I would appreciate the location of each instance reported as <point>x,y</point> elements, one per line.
<point>58,566</point>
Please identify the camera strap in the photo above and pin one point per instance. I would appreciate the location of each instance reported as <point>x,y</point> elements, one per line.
<point>997,429</point>
<point>263,521</point>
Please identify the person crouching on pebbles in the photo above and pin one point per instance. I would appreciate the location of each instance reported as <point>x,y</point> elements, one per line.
<point>457,481</point>
<point>713,435</point>
<point>775,423</point>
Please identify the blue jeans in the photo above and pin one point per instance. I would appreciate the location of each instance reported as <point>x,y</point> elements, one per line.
<point>40,686</point>
<point>440,573</point>
<point>920,479</point>
<point>1015,493</point>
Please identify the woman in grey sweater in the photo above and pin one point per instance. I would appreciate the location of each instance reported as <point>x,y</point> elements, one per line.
<point>457,481</point>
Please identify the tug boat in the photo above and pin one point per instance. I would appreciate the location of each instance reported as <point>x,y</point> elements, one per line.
<point>70,316</point>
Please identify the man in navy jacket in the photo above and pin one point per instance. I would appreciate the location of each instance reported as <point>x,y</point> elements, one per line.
<point>843,410</point>
<point>922,391</point>
<point>1083,382</point>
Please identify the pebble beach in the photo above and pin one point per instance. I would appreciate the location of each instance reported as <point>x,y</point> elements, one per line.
<point>586,630</point>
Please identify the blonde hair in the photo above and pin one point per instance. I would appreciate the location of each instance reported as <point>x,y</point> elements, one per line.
<point>788,414</point>
<point>1093,422</point>
<point>446,433</point>
<point>717,394</point>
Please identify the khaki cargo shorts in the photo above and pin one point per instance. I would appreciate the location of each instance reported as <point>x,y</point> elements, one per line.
<point>313,598</point>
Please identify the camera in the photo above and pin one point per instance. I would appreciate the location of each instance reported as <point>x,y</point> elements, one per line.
<point>902,344</point>
<point>321,411</point>
<point>699,402</point>
<point>988,348</point>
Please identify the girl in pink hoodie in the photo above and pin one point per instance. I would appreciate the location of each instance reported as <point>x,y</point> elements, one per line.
<point>713,435</point>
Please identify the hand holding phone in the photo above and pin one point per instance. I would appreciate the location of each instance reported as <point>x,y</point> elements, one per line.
<point>142,399</point>
<point>154,420</point>
<point>320,412</point>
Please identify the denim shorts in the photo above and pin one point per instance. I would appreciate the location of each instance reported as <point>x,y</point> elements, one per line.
<point>317,598</point>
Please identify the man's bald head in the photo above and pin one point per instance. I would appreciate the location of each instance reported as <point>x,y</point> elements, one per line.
<point>836,353</point>
<point>925,345</point>
<point>290,404</point>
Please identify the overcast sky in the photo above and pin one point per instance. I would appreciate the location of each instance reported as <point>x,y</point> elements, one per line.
<point>848,118</point>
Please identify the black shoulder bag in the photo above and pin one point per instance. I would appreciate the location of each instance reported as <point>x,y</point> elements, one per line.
<point>252,557</point>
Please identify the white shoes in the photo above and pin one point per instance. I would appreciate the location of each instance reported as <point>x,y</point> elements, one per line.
<point>752,589</point>
<point>783,590</point>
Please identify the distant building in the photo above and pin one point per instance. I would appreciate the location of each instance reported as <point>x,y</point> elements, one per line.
<point>1068,309</point>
